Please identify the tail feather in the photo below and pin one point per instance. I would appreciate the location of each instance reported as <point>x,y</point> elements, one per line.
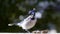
<point>10,24</point>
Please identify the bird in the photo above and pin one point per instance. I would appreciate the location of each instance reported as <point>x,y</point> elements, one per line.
<point>28,22</point>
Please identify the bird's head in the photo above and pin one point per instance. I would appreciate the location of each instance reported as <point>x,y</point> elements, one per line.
<point>32,12</point>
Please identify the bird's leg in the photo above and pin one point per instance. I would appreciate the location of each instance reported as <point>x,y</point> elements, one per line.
<point>27,31</point>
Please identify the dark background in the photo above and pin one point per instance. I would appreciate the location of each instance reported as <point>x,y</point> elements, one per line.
<point>9,11</point>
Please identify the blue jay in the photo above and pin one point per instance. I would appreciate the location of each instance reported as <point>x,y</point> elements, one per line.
<point>28,22</point>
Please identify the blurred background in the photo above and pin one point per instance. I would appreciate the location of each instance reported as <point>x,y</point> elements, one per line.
<point>13,11</point>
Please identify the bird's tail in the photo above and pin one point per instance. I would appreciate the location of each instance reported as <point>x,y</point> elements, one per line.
<point>10,24</point>
<point>16,24</point>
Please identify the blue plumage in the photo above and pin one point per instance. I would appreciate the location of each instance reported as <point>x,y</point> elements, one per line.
<point>31,12</point>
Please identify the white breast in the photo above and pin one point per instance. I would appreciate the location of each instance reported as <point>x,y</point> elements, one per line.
<point>27,23</point>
